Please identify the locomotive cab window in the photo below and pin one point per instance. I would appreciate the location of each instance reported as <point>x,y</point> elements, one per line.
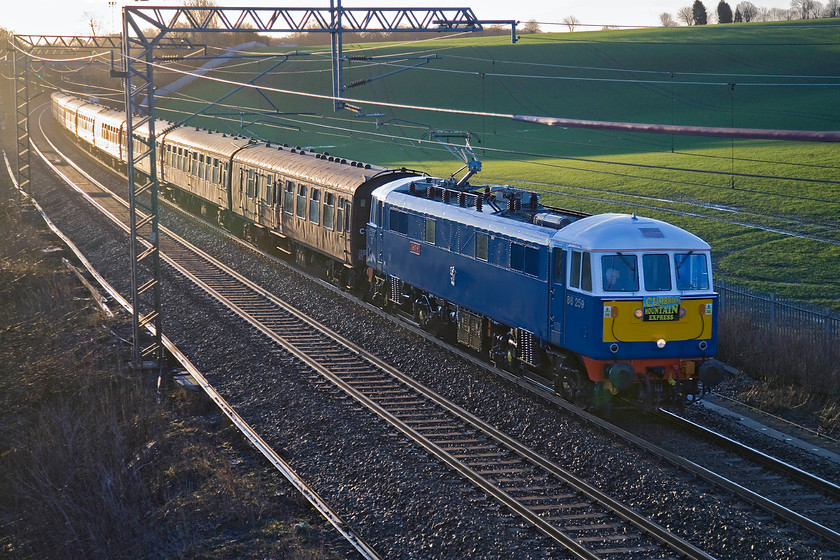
<point>620,273</point>
<point>559,272</point>
<point>657,271</point>
<point>580,271</point>
<point>692,271</point>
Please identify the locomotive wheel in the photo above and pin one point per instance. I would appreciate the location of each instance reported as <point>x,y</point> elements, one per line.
<point>576,389</point>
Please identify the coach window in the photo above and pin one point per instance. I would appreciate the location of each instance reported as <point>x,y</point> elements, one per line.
<point>430,230</point>
<point>580,273</point>
<point>177,163</point>
<point>329,210</point>
<point>315,206</point>
<point>347,214</point>
<point>481,246</point>
<point>249,185</point>
<point>289,202</point>
<point>201,166</point>
<point>215,170</point>
<point>339,215</point>
<point>301,201</point>
<point>194,167</point>
<point>269,189</point>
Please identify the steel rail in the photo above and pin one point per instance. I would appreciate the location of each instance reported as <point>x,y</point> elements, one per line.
<point>274,458</point>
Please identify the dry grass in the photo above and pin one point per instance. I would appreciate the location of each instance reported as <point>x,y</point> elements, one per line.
<point>789,375</point>
<point>91,465</point>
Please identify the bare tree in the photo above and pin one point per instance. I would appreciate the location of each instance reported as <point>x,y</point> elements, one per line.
<point>94,23</point>
<point>832,9</point>
<point>748,10</point>
<point>531,26</point>
<point>667,20</point>
<point>686,15</point>
<point>805,9</point>
<point>571,22</point>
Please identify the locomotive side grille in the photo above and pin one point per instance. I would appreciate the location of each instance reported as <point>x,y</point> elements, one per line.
<point>528,345</point>
<point>469,329</point>
<point>396,289</point>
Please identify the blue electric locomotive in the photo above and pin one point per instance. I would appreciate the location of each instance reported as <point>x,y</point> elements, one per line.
<point>596,306</point>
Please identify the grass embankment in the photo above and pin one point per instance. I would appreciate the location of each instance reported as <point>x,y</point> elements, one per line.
<point>91,465</point>
<point>769,209</point>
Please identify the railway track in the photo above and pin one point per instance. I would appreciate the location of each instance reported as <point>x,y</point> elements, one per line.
<point>553,500</point>
<point>780,488</point>
<point>584,520</point>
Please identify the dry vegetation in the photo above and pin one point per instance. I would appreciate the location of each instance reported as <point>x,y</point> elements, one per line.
<point>91,465</point>
<point>788,375</point>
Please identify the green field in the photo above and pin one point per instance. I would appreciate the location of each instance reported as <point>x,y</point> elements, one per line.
<point>769,209</point>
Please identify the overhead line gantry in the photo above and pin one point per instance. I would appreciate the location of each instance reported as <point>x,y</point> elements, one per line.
<point>144,28</point>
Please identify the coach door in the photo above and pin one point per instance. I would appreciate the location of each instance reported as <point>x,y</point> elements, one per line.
<point>557,306</point>
<point>268,201</point>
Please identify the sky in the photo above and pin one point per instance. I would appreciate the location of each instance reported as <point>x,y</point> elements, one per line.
<point>72,17</point>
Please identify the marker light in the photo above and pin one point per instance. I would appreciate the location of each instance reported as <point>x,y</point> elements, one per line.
<point>638,313</point>
<point>660,343</point>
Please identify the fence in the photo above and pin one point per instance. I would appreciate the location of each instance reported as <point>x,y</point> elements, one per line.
<point>777,315</point>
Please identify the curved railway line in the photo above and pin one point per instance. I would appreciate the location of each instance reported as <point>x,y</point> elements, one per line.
<point>580,517</point>
<point>574,513</point>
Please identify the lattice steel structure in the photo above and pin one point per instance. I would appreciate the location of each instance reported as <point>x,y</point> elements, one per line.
<point>21,68</point>
<point>144,28</point>
<point>24,47</point>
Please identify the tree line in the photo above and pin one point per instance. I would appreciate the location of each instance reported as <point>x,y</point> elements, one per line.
<point>698,14</point>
